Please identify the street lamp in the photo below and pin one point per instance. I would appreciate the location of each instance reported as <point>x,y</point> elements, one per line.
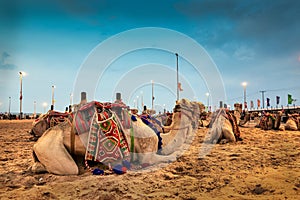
<point>34,109</point>
<point>177,76</point>
<point>244,84</point>
<point>137,103</point>
<point>152,99</point>
<point>9,104</point>
<point>21,92</point>
<point>45,104</point>
<point>52,105</point>
<point>207,95</point>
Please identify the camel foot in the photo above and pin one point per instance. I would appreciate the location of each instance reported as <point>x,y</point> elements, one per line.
<point>223,141</point>
<point>38,168</point>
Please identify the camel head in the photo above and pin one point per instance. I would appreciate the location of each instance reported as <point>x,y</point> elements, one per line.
<point>190,109</point>
<point>40,125</point>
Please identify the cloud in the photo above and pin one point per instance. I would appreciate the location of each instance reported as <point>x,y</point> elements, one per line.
<point>272,26</point>
<point>244,53</point>
<point>4,65</point>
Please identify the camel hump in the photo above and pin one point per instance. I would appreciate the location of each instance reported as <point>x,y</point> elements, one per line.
<point>52,153</point>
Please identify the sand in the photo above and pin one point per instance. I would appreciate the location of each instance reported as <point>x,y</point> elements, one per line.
<point>265,165</point>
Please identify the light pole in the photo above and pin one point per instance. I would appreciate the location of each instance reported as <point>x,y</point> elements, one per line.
<point>71,98</point>
<point>152,99</point>
<point>9,103</point>
<point>137,103</point>
<point>207,95</point>
<point>134,103</point>
<point>142,99</point>
<point>176,54</point>
<point>244,84</point>
<point>45,106</point>
<point>34,109</point>
<point>52,105</point>
<point>21,96</point>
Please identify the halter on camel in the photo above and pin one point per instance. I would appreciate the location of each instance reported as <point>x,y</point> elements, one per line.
<point>183,110</point>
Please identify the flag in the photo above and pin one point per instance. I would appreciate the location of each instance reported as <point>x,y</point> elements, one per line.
<point>268,102</point>
<point>258,103</point>
<point>252,104</point>
<point>277,99</point>
<point>179,87</point>
<point>290,100</point>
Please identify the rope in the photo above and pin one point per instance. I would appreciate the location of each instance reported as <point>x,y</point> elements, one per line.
<point>131,140</point>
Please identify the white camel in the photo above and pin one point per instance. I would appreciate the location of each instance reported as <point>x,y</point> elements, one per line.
<point>54,149</point>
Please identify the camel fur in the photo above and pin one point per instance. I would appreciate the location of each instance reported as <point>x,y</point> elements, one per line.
<point>52,149</point>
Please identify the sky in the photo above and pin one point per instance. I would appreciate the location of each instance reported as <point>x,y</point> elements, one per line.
<point>104,47</point>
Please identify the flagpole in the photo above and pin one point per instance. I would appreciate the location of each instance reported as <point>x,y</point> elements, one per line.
<point>177,75</point>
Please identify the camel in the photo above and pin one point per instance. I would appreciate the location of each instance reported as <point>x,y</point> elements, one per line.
<point>238,113</point>
<point>270,121</point>
<point>54,150</point>
<point>292,123</point>
<point>223,128</point>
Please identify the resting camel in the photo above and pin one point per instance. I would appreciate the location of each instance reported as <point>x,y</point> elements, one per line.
<point>53,151</point>
<point>270,121</point>
<point>292,123</point>
<point>238,113</point>
<point>223,128</point>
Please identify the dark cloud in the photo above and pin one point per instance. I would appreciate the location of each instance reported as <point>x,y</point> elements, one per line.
<point>4,65</point>
<point>270,26</point>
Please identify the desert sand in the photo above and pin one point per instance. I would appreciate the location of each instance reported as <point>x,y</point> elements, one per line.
<point>265,165</point>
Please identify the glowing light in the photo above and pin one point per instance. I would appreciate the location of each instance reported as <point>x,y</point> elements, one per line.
<point>23,73</point>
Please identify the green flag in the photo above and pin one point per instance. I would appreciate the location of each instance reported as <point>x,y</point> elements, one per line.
<point>290,100</point>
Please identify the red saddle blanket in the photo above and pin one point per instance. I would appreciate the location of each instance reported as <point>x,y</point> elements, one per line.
<point>106,142</point>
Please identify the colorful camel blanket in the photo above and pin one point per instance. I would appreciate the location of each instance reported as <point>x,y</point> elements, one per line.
<point>84,117</point>
<point>106,141</point>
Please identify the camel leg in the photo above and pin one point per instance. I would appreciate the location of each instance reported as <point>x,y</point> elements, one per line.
<point>227,132</point>
<point>52,153</point>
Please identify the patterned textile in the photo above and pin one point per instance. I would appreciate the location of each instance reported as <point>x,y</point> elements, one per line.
<point>107,143</point>
<point>55,118</point>
<point>84,117</point>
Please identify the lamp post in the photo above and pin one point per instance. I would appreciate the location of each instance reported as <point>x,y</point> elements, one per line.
<point>9,103</point>
<point>52,105</point>
<point>21,96</point>
<point>71,98</point>
<point>207,95</point>
<point>45,106</point>
<point>34,109</point>
<point>244,84</point>
<point>137,103</point>
<point>152,98</point>
<point>142,99</point>
<point>176,54</point>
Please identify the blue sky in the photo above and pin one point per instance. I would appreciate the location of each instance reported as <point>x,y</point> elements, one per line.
<point>254,41</point>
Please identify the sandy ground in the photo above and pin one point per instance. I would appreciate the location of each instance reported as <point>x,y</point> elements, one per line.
<point>265,165</point>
